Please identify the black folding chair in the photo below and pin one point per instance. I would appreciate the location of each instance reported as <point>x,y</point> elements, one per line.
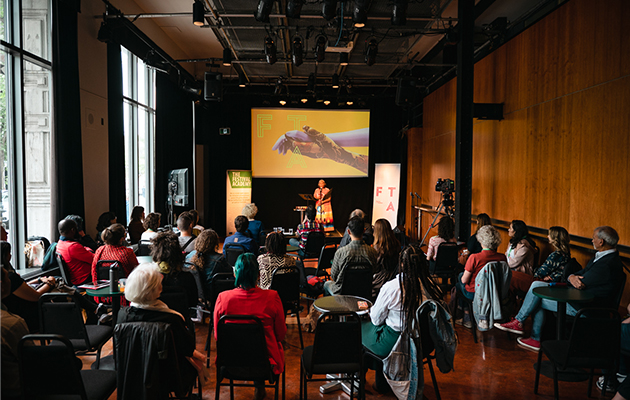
<point>287,284</point>
<point>324,262</point>
<point>242,354</point>
<point>446,262</point>
<point>220,282</point>
<point>232,251</point>
<point>49,369</point>
<point>312,248</point>
<point>60,315</point>
<point>357,279</point>
<point>144,248</point>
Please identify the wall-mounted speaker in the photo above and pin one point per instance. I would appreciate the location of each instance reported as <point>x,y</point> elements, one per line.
<point>213,86</point>
<point>406,91</point>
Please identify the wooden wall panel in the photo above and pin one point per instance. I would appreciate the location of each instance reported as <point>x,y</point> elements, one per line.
<point>414,174</point>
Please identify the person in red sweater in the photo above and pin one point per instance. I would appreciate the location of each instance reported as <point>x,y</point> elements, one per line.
<point>77,257</point>
<point>114,236</point>
<point>248,299</point>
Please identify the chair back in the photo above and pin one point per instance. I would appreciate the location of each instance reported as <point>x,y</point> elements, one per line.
<point>176,299</point>
<point>446,258</point>
<point>595,339</point>
<point>571,268</point>
<point>326,256</point>
<point>102,269</point>
<point>337,346</point>
<point>357,279</point>
<point>63,268</point>
<point>287,284</point>
<point>220,282</point>
<point>425,336</point>
<point>194,270</point>
<point>232,251</point>
<point>620,287</point>
<point>60,315</point>
<point>144,248</point>
<point>242,349</point>
<point>315,240</point>
<point>47,370</point>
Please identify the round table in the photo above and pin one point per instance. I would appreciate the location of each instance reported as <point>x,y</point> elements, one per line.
<point>144,259</point>
<point>107,362</point>
<point>342,303</point>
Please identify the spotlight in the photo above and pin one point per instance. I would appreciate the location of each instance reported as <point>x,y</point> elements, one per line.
<point>311,83</point>
<point>227,57</point>
<point>329,9</point>
<point>278,88</point>
<point>297,50</point>
<point>335,81</point>
<point>304,100</point>
<point>263,10</point>
<point>327,102</point>
<point>343,59</point>
<point>371,49</point>
<point>242,81</point>
<point>359,14</point>
<point>198,13</point>
<point>349,102</point>
<point>320,47</point>
<point>294,8</point>
<point>283,101</point>
<point>399,13</point>
<point>270,51</point>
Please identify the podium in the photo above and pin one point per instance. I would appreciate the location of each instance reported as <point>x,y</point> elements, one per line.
<point>305,196</point>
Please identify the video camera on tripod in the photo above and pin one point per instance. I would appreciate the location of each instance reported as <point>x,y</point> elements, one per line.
<point>447,188</point>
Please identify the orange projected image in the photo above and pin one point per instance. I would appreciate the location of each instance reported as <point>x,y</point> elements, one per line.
<point>299,143</point>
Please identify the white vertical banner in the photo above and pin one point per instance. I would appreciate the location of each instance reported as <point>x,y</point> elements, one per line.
<point>238,193</point>
<point>386,193</point>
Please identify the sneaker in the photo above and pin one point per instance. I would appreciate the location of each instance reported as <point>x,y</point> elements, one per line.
<point>514,326</point>
<point>529,344</point>
<point>610,386</point>
<point>101,309</point>
<point>105,319</point>
<point>459,321</point>
<point>466,322</point>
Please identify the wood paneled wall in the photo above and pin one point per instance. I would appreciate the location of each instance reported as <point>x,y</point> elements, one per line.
<point>561,155</point>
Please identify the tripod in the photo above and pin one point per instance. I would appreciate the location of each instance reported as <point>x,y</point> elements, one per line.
<point>449,209</point>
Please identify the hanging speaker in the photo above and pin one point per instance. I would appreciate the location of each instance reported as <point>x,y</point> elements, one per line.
<point>213,86</point>
<point>406,91</point>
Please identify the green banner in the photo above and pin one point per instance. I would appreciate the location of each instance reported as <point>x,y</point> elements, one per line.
<point>240,179</point>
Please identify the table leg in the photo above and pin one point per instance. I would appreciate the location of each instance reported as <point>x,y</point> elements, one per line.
<point>115,309</point>
<point>562,316</point>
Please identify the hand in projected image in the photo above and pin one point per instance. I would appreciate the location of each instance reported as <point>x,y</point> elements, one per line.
<point>285,142</point>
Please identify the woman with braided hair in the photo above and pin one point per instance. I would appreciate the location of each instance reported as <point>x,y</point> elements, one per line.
<point>395,308</point>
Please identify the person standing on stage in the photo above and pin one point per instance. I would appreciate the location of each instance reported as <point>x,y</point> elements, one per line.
<point>324,206</point>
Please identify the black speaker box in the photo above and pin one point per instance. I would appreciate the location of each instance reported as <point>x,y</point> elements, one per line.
<point>406,92</point>
<point>213,86</point>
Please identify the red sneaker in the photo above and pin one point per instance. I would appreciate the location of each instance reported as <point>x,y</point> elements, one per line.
<point>514,326</point>
<point>529,344</point>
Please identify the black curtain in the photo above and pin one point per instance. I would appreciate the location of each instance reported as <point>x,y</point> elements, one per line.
<point>117,194</point>
<point>66,152</point>
<point>174,141</point>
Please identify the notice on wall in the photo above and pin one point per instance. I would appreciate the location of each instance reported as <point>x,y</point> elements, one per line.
<point>238,194</point>
<point>386,192</point>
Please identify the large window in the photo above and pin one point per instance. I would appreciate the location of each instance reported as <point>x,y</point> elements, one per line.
<point>25,120</point>
<point>139,117</point>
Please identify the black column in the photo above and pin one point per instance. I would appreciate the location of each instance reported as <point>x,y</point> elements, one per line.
<point>464,135</point>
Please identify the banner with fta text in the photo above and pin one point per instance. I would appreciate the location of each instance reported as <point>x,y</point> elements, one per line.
<point>386,192</point>
<point>238,194</point>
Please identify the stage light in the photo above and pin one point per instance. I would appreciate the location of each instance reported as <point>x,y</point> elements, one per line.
<point>304,100</point>
<point>297,50</point>
<point>335,81</point>
<point>329,9</point>
<point>311,83</point>
<point>294,8</point>
<point>278,88</point>
<point>343,59</point>
<point>242,81</point>
<point>270,51</point>
<point>327,102</point>
<point>371,49</point>
<point>227,57</point>
<point>399,13</point>
<point>263,10</point>
<point>359,14</point>
<point>283,101</point>
<point>198,13</point>
<point>349,102</point>
<point>320,47</point>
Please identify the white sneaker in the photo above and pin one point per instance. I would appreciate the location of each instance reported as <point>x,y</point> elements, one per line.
<point>610,387</point>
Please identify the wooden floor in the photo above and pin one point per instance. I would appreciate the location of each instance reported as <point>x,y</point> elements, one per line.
<point>494,368</point>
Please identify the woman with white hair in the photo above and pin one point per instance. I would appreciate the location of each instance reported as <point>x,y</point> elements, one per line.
<point>255,227</point>
<point>143,288</point>
<point>490,240</point>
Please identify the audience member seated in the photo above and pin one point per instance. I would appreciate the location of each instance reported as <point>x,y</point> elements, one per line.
<point>473,244</point>
<point>248,299</point>
<point>356,251</point>
<point>552,269</point>
<point>13,329</point>
<point>114,236</point>
<point>395,306</point>
<point>77,257</point>
<point>136,225</point>
<point>387,249</point>
<point>197,229</point>
<point>490,240</point>
<point>85,240</point>
<point>307,226</point>
<point>206,258</point>
<point>240,237</point>
<point>368,237</point>
<point>600,278</point>
<point>255,227</point>
<point>446,233</point>
<point>186,237</point>
<point>106,219</point>
<point>274,259</point>
<point>167,254</point>
<point>520,252</point>
<point>143,288</point>
<point>151,224</point>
